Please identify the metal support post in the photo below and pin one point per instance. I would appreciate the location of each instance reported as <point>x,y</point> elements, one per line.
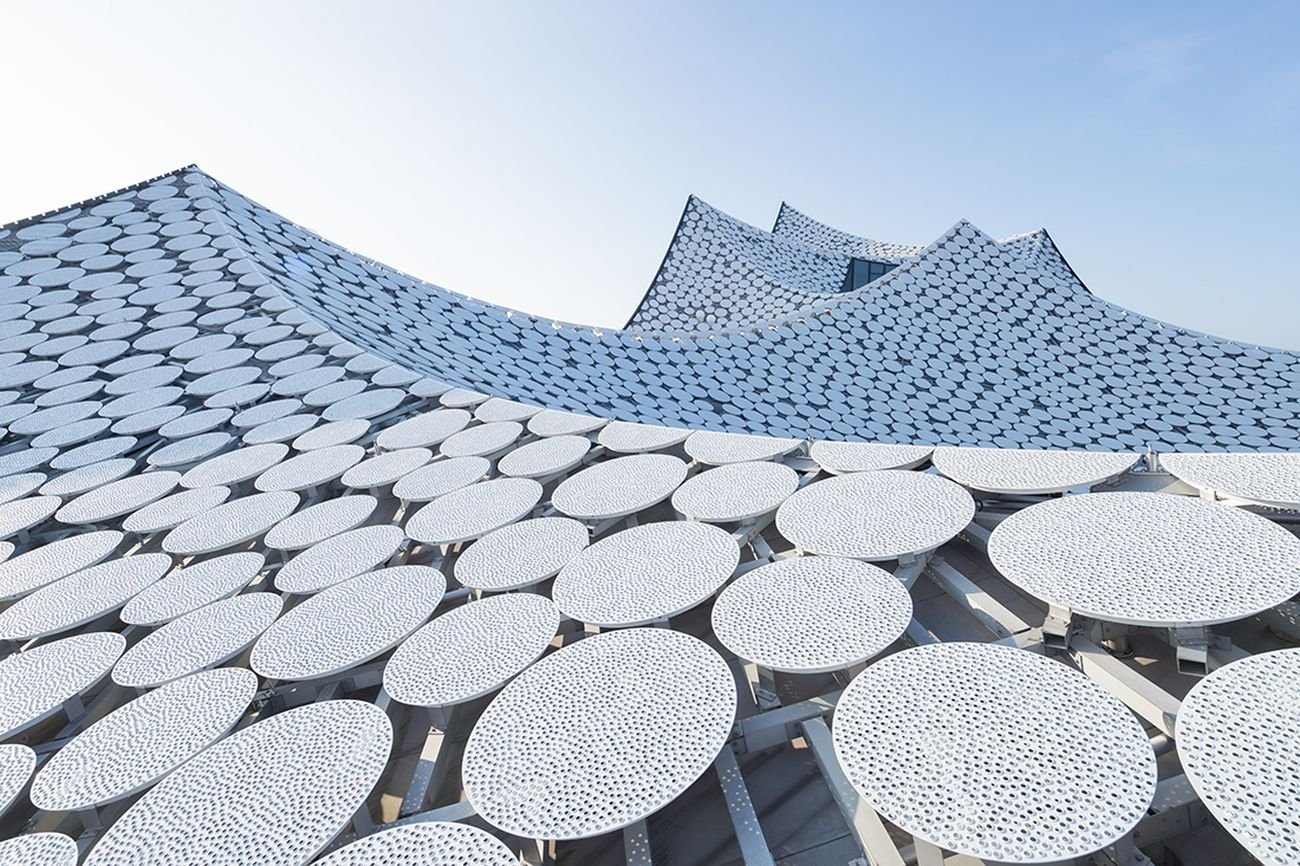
<point>992,615</point>
<point>865,825</point>
<point>1142,696</point>
<point>1192,649</point>
<point>762,682</point>
<point>1058,628</point>
<point>636,845</point>
<point>744,820</point>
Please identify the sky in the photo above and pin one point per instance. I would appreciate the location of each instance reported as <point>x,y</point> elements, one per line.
<point>538,155</point>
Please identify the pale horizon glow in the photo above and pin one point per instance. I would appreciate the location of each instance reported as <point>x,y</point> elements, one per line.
<point>539,155</point>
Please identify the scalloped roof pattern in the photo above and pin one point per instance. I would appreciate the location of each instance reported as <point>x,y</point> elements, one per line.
<point>967,343</point>
<point>720,271</point>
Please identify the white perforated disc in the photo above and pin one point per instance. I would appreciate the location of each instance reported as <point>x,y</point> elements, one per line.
<point>875,515</point>
<point>349,623</point>
<point>719,449</point>
<point>23,514</point>
<point>230,523</point>
<point>82,597</point>
<point>39,849</point>
<point>140,742</point>
<point>441,477</point>
<point>320,521</point>
<point>521,554</point>
<point>49,562</point>
<point>473,511</point>
<point>235,466</point>
<point>171,511</point>
<point>386,468</point>
<point>481,441</point>
<point>1260,479</point>
<point>618,487</point>
<point>840,458</point>
<point>497,409</point>
<point>338,558</point>
<point>16,765</point>
<point>545,457</point>
<point>331,435</point>
<point>1030,471</point>
<point>994,752</point>
<point>120,497</point>
<point>1239,744</point>
<point>812,614</point>
<point>310,469</point>
<point>471,650</point>
<point>627,438</point>
<point>600,734</point>
<point>35,683</point>
<point>552,422</point>
<point>423,431</point>
<point>203,638</point>
<point>1149,559</point>
<point>436,843</point>
<point>646,573</point>
<point>193,586</point>
<point>737,491</point>
<point>273,794</point>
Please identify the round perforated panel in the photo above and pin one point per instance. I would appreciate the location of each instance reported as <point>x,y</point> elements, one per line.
<point>1262,479</point>
<point>521,554</point>
<point>39,849</point>
<point>338,558</point>
<point>552,422</point>
<point>475,510</point>
<point>118,498</point>
<point>646,573</point>
<point>349,623</point>
<point>994,752</point>
<point>49,562</point>
<point>1239,744</point>
<point>311,468</point>
<point>845,457</point>
<point>471,650</point>
<point>173,510</point>
<point>436,843</point>
<point>441,477</point>
<point>545,457</point>
<point>600,734</point>
<point>193,586</point>
<point>618,487</point>
<point>1148,559</point>
<point>386,468</point>
<point>1029,471</point>
<point>738,491</point>
<point>35,683</point>
<point>718,449</point>
<point>423,431</point>
<point>200,639</point>
<point>16,765</point>
<point>142,741</point>
<point>812,614</point>
<point>483,440</point>
<point>627,438</point>
<point>318,522</point>
<point>275,793</point>
<point>82,596</point>
<point>230,523</point>
<point>876,515</point>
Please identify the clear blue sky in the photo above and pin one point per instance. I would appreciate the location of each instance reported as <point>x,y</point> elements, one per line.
<point>539,154</point>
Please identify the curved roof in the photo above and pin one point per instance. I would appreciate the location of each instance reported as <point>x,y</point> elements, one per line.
<point>967,343</point>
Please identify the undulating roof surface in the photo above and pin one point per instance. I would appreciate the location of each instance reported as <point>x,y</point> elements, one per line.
<point>304,560</point>
<point>970,342</point>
